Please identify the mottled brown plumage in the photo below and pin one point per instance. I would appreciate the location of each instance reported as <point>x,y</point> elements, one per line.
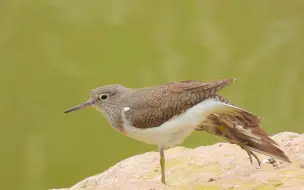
<point>243,129</point>
<point>165,115</point>
<point>151,107</point>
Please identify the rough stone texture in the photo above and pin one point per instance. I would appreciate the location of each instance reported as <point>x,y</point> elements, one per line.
<point>220,166</point>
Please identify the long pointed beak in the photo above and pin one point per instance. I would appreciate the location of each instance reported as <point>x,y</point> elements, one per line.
<point>87,104</point>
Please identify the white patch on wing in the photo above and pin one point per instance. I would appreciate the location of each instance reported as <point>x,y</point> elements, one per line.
<point>239,127</point>
<point>126,108</point>
<point>177,129</point>
<point>252,136</point>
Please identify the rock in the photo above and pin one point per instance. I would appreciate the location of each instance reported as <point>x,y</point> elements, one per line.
<point>220,166</point>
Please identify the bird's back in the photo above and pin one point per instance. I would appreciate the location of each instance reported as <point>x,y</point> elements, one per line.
<point>152,106</point>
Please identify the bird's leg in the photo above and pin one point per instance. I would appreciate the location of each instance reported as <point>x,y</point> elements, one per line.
<point>230,137</point>
<point>250,158</point>
<point>249,152</point>
<point>241,144</point>
<point>162,164</point>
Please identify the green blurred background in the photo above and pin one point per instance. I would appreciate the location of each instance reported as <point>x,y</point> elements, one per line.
<point>53,52</point>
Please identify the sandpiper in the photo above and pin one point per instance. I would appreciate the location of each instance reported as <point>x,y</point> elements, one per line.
<point>167,114</point>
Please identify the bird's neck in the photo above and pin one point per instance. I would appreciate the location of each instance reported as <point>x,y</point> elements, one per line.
<point>114,118</point>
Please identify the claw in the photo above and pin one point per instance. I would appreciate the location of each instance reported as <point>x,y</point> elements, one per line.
<point>250,153</point>
<point>250,158</point>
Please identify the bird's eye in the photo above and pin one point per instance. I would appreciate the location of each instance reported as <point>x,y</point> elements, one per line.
<point>103,97</point>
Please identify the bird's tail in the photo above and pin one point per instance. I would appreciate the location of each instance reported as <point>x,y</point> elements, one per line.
<point>242,128</point>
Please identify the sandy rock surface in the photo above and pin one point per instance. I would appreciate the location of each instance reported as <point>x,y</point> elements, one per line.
<point>220,166</point>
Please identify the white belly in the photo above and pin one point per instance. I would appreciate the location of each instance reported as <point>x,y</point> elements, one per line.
<point>174,131</point>
<point>165,136</point>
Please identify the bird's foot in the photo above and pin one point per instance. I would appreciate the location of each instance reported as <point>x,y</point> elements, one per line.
<point>250,154</point>
<point>163,180</point>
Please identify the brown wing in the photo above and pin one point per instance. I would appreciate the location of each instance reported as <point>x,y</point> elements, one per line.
<point>245,119</point>
<point>151,107</point>
<point>243,129</point>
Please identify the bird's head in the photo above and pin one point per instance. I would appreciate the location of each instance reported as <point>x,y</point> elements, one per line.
<point>102,97</point>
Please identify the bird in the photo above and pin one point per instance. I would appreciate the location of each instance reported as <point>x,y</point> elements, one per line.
<point>165,115</point>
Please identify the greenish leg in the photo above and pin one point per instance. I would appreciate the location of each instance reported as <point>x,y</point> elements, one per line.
<point>162,165</point>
